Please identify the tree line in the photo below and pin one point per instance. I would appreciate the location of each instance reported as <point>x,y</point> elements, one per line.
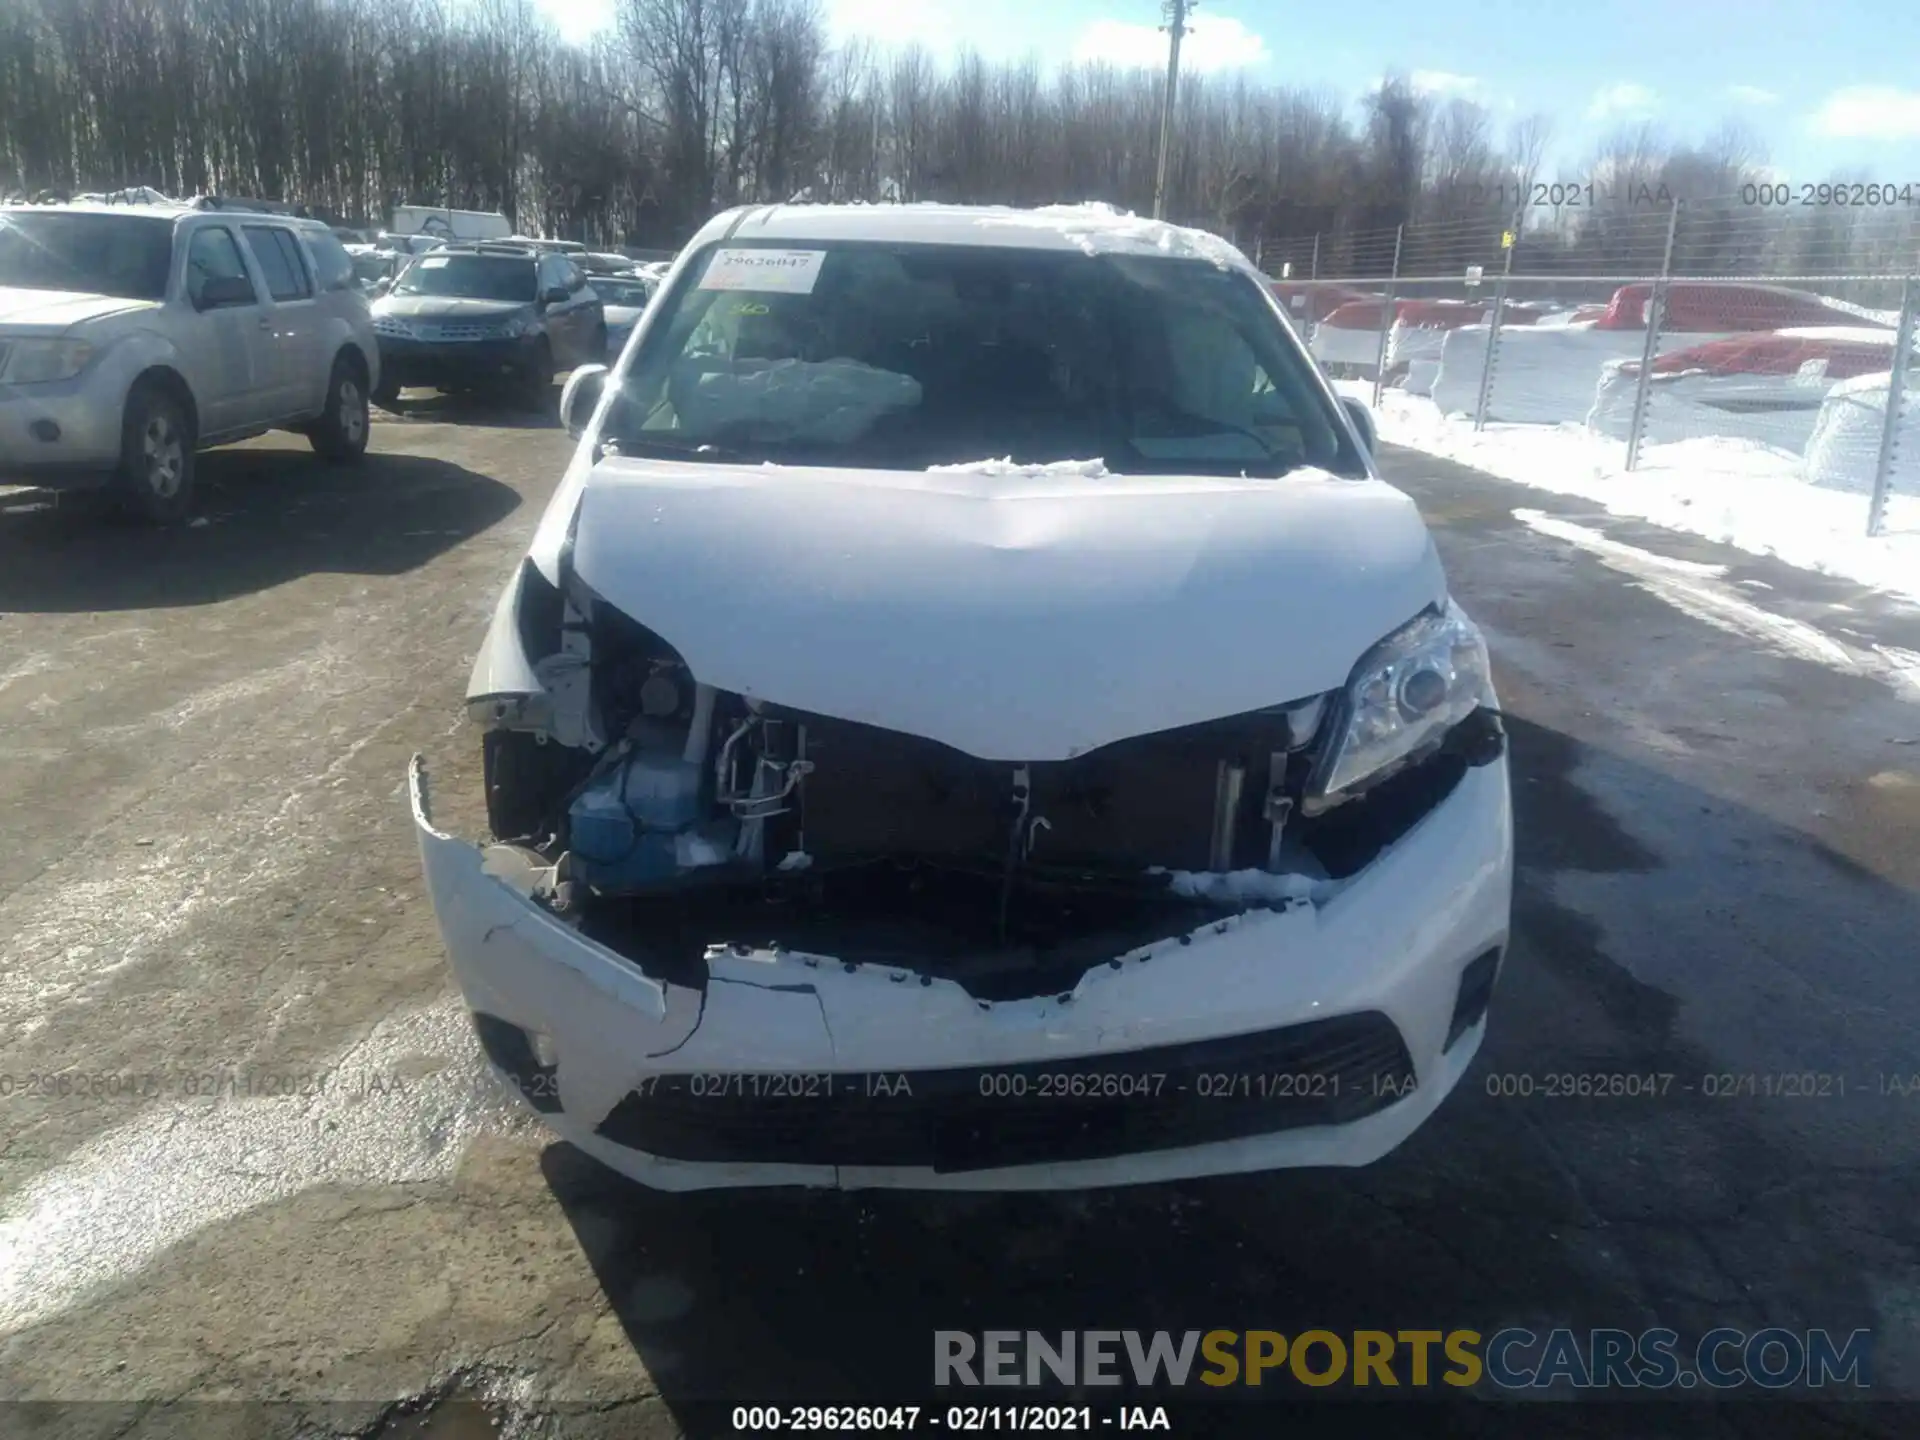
<point>684,107</point>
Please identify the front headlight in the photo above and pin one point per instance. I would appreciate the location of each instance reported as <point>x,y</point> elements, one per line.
<point>519,325</point>
<point>38,362</point>
<point>1406,693</point>
<point>392,325</point>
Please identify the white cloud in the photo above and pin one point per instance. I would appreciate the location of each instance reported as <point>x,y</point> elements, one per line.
<point>579,21</point>
<point>892,24</point>
<point>1212,42</point>
<point>1753,95</point>
<point>1626,101</point>
<point>1870,112</point>
<point>1444,82</point>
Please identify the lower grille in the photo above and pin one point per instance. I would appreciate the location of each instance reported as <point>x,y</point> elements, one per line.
<point>460,332</point>
<point>1326,1072</point>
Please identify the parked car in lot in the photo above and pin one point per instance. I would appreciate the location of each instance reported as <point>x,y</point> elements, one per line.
<point>1769,387</point>
<point>133,336</point>
<point>597,263</point>
<point>372,268</point>
<point>971,716</point>
<point>624,298</point>
<point>469,315</point>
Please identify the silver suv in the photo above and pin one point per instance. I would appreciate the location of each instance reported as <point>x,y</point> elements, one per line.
<point>133,336</point>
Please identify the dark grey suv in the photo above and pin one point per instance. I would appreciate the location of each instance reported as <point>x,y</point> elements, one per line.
<point>466,316</point>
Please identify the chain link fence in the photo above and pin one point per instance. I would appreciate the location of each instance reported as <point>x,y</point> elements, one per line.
<point>1620,326</point>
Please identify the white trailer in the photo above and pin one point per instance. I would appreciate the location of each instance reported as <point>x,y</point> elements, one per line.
<point>439,221</point>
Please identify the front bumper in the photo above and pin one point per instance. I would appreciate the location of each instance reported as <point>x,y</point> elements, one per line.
<point>786,1069</point>
<point>65,432</point>
<point>429,363</point>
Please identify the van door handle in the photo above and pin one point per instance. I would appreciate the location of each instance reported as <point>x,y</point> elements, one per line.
<point>266,323</point>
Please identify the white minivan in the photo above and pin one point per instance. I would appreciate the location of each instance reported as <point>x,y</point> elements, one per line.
<point>972,716</point>
<point>132,336</point>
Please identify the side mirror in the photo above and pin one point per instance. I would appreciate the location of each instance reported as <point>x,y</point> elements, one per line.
<point>580,396</point>
<point>221,291</point>
<point>555,295</point>
<point>1362,419</point>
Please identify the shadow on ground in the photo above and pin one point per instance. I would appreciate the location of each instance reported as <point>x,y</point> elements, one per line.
<point>1667,1208</point>
<point>493,407</point>
<point>264,517</point>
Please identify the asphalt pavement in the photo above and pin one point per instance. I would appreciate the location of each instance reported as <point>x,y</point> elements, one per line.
<point>275,1173</point>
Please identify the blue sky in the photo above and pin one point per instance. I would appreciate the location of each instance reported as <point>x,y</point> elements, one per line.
<point>1827,85</point>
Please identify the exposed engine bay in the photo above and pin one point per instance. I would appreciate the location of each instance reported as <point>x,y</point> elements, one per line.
<point>690,817</point>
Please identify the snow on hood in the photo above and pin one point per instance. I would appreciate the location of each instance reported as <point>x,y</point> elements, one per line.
<point>57,309</point>
<point>1027,616</point>
<point>1092,469</point>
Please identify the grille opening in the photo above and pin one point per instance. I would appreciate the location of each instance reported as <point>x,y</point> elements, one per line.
<point>1325,1072</point>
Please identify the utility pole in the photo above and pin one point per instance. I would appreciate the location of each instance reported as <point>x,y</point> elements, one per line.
<point>1176,12</point>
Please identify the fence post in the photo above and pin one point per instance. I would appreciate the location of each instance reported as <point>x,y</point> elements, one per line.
<point>1896,393</point>
<point>1493,346</point>
<point>1386,317</point>
<point>1656,308</point>
<point>1315,274</point>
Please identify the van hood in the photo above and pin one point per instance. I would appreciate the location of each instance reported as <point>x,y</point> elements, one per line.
<point>1024,615</point>
<point>58,309</point>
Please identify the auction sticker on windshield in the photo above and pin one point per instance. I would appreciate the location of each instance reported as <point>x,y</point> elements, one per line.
<point>782,272</point>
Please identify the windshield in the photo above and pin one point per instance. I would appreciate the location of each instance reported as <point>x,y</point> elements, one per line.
<point>907,356</point>
<point>631,293</point>
<point>126,256</point>
<point>471,277</point>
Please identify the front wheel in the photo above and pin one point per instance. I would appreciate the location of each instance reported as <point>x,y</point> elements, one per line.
<point>156,471</point>
<point>340,434</point>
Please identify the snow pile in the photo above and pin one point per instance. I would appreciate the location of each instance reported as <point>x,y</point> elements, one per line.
<point>1733,491</point>
<point>1542,375</point>
<point>1087,469</point>
<point>1844,448</point>
<point>1343,345</point>
<point>1776,410</point>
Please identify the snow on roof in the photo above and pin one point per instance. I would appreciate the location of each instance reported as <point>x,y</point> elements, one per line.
<point>171,211</point>
<point>1092,228</point>
<point>1881,381</point>
<point>1841,334</point>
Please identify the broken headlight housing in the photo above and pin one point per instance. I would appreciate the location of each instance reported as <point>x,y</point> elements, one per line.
<point>1403,697</point>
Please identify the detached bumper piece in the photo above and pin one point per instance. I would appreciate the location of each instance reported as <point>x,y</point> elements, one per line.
<point>1326,1072</point>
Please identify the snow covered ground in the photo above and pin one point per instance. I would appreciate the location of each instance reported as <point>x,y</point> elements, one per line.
<point>1733,491</point>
